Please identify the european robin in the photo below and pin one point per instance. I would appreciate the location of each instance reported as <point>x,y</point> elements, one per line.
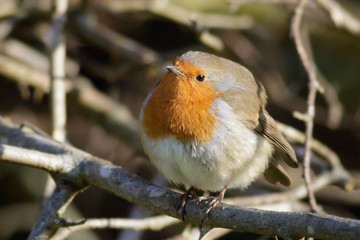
<point>205,125</point>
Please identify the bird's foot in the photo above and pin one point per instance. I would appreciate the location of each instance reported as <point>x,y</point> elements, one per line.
<point>214,201</point>
<point>189,193</point>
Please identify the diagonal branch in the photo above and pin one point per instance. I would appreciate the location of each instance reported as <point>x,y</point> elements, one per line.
<point>88,169</point>
<point>115,117</point>
<point>341,17</point>
<point>287,225</point>
<point>58,201</point>
<point>32,158</point>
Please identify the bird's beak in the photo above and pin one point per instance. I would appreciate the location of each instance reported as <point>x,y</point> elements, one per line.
<point>176,70</point>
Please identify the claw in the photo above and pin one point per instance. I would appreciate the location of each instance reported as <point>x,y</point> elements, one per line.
<point>213,203</point>
<point>189,193</point>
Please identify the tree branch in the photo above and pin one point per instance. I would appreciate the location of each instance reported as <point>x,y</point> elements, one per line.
<point>115,117</point>
<point>139,191</point>
<point>341,17</point>
<point>58,201</point>
<point>32,158</point>
<point>103,174</point>
<point>57,71</point>
<point>179,14</point>
<point>150,223</point>
<point>87,27</point>
<point>313,86</point>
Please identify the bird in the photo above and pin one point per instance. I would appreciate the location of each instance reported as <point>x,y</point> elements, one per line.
<point>205,125</point>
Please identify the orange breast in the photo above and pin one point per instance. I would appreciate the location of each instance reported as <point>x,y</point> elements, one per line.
<point>180,107</point>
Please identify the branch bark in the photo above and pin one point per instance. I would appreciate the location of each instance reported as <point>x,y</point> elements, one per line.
<point>45,225</point>
<point>57,71</point>
<point>94,171</point>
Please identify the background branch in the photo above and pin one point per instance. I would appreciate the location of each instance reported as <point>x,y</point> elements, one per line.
<point>150,223</point>
<point>57,71</point>
<point>114,116</point>
<point>178,14</point>
<point>341,17</point>
<point>313,87</point>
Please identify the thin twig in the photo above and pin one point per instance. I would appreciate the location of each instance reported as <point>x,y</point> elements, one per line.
<point>297,193</point>
<point>22,73</point>
<point>345,180</point>
<point>150,223</point>
<point>137,212</point>
<point>176,13</point>
<point>57,71</point>
<point>330,95</point>
<point>26,53</point>
<point>115,117</point>
<point>32,158</point>
<point>313,87</point>
<point>340,16</point>
<point>117,45</point>
<point>8,8</point>
<point>337,175</point>
<point>58,201</point>
<point>193,234</point>
<point>293,2</point>
<point>57,50</point>
<point>324,151</point>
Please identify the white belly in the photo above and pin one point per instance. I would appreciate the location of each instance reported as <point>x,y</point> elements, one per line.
<point>235,157</point>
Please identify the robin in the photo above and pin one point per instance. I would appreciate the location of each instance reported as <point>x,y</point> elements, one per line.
<point>205,126</point>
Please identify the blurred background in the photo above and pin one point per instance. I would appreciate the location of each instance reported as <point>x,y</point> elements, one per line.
<point>116,53</point>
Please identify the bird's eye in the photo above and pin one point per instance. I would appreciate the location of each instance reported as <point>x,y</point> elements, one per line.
<point>200,78</point>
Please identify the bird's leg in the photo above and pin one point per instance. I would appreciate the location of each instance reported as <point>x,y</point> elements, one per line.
<point>213,203</point>
<point>189,193</point>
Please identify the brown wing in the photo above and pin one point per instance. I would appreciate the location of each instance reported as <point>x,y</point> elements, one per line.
<point>267,128</point>
<point>257,118</point>
<point>276,174</point>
